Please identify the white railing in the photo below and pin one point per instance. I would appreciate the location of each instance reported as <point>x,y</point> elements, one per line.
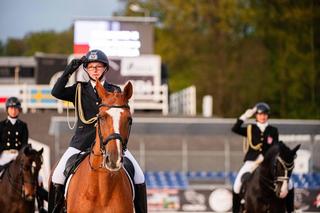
<point>156,100</point>
<point>39,97</point>
<point>184,102</point>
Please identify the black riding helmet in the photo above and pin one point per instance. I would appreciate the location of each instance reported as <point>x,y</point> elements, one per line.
<point>13,102</point>
<point>96,55</point>
<point>263,108</point>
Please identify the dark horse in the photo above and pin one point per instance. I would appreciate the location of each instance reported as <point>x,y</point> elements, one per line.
<point>100,184</point>
<point>19,183</point>
<point>268,185</point>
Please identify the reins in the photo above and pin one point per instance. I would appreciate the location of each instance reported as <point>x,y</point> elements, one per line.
<point>18,185</point>
<point>271,184</point>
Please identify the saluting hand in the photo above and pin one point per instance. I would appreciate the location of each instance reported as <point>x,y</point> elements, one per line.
<point>74,65</point>
<point>248,114</point>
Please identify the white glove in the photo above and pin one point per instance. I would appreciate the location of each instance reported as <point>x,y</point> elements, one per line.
<point>248,114</point>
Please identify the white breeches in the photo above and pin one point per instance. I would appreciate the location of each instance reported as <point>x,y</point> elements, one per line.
<point>58,176</point>
<point>7,156</point>
<point>250,166</point>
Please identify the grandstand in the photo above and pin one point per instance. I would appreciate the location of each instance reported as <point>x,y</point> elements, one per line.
<point>184,180</point>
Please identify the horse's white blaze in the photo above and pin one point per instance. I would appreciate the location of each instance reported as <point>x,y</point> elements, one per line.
<point>284,189</point>
<point>115,113</point>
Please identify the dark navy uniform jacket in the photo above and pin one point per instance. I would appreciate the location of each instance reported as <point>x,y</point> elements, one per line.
<point>13,136</point>
<point>269,137</point>
<point>85,133</point>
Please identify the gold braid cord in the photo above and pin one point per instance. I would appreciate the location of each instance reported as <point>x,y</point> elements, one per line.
<point>78,107</point>
<point>247,142</point>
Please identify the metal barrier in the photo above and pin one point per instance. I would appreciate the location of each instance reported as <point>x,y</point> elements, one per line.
<point>196,144</point>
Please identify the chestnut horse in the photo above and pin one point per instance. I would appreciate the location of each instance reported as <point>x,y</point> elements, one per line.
<point>100,183</point>
<point>267,187</point>
<point>19,183</point>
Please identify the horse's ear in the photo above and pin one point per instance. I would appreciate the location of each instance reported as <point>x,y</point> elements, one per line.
<point>100,90</point>
<point>40,151</point>
<point>295,149</point>
<point>27,149</point>
<point>128,90</point>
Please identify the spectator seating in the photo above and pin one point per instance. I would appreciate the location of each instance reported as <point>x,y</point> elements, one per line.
<point>181,180</point>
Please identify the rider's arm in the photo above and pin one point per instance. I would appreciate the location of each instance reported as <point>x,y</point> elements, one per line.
<point>239,129</point>
<point>62,92</point>
<point>25,135</point>
<point>276,135</point>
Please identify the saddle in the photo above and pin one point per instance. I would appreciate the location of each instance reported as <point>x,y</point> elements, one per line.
<point>75,160</point>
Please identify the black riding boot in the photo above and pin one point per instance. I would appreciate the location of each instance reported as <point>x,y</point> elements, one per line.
<point>140,200</point>
<point>235,202</point>
<point>290,201</point>
<point>42,195</point>
<point>58,203</point>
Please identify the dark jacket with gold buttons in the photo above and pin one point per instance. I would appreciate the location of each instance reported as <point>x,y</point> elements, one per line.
<point>85,133</point>
<point>13,136</point>
<point>269,137</point>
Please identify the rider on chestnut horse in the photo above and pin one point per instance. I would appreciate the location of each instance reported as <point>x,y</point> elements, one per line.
<point>86,102</point>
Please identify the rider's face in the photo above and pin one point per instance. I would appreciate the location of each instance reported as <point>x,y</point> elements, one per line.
<point>262,117</point>
<point>13,112</point>
<point>95,69</point>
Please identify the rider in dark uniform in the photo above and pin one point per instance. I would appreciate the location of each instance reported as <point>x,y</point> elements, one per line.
<point>13,132</point>
<point>14,135</point>
<point>260,137</point>
<point>86,101</point>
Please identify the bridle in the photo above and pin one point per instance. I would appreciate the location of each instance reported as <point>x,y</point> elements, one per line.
<point>18,185</point>
<point>287,167</point>
<point>113,136</point>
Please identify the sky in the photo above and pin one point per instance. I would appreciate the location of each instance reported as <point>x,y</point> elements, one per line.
<point>19,17</point>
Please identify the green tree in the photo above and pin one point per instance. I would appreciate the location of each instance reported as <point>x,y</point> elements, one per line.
<point>14,47</point>
<point>242,52</point>
<point>46,42</point>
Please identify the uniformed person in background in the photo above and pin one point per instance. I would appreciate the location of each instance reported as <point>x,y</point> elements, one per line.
<point>14,135</point>
<point>96,64</point>
<point>13,132</point>
<point>260,136</point>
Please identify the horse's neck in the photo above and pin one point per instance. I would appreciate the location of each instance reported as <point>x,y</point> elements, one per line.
<point>14,169</point>
<point>96,155</point>
<point>265,178</point>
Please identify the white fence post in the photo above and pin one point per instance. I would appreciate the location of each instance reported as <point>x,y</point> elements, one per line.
<point>207,106</point>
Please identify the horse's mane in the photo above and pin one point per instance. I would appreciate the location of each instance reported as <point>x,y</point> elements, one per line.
<point>271,153</point>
